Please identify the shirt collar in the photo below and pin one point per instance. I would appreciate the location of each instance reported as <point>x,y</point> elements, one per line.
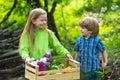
<point>87,37</point>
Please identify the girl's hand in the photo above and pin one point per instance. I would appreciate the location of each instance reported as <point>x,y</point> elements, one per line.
<point>28,60</point>
<point>69,56</point>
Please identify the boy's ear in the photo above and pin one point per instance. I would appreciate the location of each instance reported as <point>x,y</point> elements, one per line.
<point>91,32</point>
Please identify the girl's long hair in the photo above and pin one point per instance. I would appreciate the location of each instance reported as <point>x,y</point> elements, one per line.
<point>29,27</point>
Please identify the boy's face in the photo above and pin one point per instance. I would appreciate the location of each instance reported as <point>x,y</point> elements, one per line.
<point>85,32</point>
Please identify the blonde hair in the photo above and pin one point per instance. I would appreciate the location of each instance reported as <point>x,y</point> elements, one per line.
<point>91,24</point>
<point>29,27</point>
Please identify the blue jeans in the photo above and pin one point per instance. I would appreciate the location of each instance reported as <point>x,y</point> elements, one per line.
<point>89,75</point>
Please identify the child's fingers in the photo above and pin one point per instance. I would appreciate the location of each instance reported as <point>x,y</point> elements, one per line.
<point>104,65</point>
<point>69,56</point>
<point>28,60</point>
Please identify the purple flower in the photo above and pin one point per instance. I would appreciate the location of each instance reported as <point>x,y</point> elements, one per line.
<point>40,63</point>
<point>49,56</point>
<point>45,61</point>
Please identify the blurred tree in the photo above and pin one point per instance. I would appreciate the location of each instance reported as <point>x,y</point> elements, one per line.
<point>9,12</point>
<point>36,4</point>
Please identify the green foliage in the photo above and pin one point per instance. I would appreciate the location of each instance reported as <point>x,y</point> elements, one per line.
<point>68,14</point>
<point>19,13</point>
<point>57,63</point>
<point>68,17</point>
<point>103,72</point>
<point>4,9</point>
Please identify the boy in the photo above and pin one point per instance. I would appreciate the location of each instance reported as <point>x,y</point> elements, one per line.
<point>87,49</point>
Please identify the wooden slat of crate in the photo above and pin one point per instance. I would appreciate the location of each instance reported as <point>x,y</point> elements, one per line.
<point>68,76</point>
<point>30,75</point>
<point>70,70</point>
<point>27,67</point>
<point>48,72</point>
<point>58,71</point>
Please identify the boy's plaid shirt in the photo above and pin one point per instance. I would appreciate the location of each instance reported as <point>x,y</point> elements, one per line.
<point>88,49</point>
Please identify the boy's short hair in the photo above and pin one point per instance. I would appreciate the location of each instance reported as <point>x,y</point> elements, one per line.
<point>91,24</point>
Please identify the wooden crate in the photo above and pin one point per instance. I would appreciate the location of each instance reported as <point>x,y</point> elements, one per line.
<point>33,73</point>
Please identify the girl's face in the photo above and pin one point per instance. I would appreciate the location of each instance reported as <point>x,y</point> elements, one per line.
<point>85,32</point>
<point>40,22</point>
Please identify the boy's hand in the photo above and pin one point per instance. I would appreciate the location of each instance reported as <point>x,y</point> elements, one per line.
<point>69,56</point>
<point>104,65</point>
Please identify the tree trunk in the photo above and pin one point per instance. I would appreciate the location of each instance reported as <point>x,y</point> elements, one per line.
<point>52,26</point>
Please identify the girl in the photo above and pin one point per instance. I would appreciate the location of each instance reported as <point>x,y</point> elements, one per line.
<point>37,40</point>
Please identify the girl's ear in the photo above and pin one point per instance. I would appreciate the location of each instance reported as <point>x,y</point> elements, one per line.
<point>33,21</point>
